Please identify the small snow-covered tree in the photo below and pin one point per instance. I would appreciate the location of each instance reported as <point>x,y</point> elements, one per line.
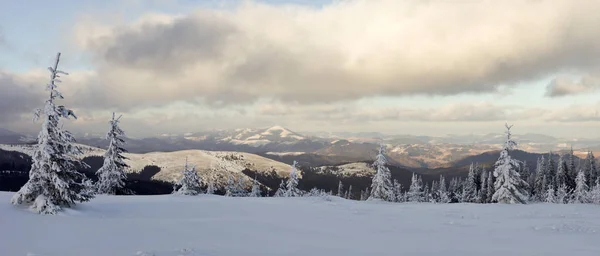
<point>396,192</point>
<point>550,195</point>
<point>54,182</point>
<point>443,192</point>
<point>470,186</point>
<point>595,193</point>
<point>415,192</point>
<point>189,184</point>
<point>581,193</point>
<point>509,186</point>
<point>282,189</point>
<point>435,192</point>
<point>255,189</point>
<point>292,183</point>
<point>210,187</point>
<point>562,194</point>
<point>362,195</point>
<point>231,187</point>
<point>111,176</point>
<point>381,186</point>
<point>340,191</point>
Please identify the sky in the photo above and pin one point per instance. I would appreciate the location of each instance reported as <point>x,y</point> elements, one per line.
<point>400,67</point>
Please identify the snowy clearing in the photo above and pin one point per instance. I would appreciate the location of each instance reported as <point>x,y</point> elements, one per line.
<point>229,226</point>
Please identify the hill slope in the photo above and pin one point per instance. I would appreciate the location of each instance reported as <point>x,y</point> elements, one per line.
<point>223,226</point>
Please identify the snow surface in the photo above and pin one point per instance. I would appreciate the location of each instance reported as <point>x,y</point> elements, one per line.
<point>209,225</point>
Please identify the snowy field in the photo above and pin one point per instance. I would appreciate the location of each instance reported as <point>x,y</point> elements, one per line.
<point>210,225</point>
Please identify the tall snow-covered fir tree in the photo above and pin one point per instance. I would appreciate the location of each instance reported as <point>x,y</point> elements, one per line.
<point>509,186</point>
<point>292,182</point>
<point>189,184</point>
<point>54,182</point>
<point>381,186</point>
<point>581,193</point>
<point>111,176</point>
<point>470,186</point>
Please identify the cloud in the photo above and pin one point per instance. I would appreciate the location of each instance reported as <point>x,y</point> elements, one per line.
<point>19,95</point>
<point>343,51</point>
<point>564,86</point>
<point>353,112</point>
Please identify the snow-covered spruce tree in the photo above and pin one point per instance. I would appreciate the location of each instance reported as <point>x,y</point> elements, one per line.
<point>591,169</point>
<point>210,187</point>
<point>435,192</point>
<point>490,188</point>
<point>540,179</point>
<point>230,188</point>
<point>381,186</point>
<point>54,182</point>
<point>470,187</point>
<point>562,194</point>
<point>111,176</point>
<point>349,193</point>
<point>362,195</point>
<point>561,172</point>
<point>595,193</point>
<point>240,188</point>
<point>581,193</point>
<point>550,195</point>
<point>509,186</point>
<point>443,192</point>
<point>571,171</point>
<point>415,192</point>
<point>550,171</point>
<point>396,194</point>
<point>189,184</point>
<point>292,182</point>
<point>482,199</point>
<point>255,189</point>
<point>340,191</point>
<point>281,191</point>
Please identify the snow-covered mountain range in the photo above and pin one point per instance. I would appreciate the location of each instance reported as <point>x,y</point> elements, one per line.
<point>315,149</point>
<point>215,165</point>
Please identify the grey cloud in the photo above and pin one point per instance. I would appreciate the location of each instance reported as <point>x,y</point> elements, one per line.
<point>563,86</point>
<point>168,48</point>
<point>17,98</point>
<point>337,53</point>
<point>462,112</point>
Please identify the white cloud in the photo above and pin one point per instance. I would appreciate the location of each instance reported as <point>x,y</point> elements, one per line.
<point>564,86</point>
<point>343,51</point>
